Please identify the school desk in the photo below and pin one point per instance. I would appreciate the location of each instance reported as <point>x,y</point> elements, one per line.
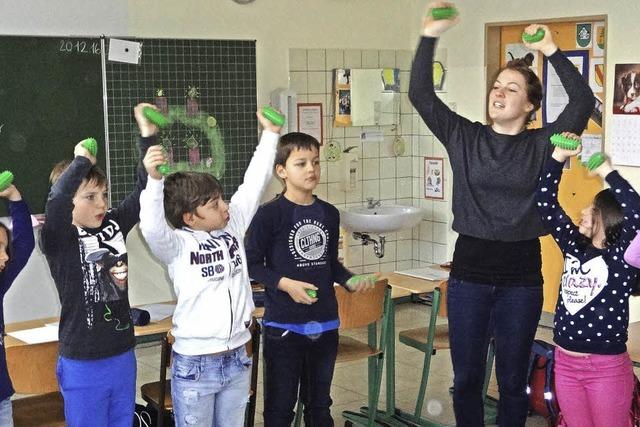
<point>148,333</point>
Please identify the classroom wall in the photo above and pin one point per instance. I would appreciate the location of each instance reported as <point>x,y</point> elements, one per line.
<point>277,25</point>
<point>281,25</point>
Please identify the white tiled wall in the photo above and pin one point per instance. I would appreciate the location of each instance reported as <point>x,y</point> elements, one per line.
<point>381,175</point>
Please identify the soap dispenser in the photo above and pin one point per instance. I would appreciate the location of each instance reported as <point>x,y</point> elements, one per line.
<point>350,169</point>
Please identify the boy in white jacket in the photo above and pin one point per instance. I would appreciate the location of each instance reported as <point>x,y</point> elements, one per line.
<point>205,256</point>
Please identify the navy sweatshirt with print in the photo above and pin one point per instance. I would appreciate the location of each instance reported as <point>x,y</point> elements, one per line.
<point>299,242</point>
<point>22,243</point>
<point>89,267</point>
<point>592,313</point>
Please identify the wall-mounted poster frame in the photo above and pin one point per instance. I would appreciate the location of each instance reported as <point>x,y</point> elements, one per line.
<point>434,178</point>
<point>310,120</point>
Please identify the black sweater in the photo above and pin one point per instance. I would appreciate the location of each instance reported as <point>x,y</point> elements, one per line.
<point>89,267</point>
<point>495,175</point>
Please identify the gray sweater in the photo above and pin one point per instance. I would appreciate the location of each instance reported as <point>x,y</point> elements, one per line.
<point>495,175</point>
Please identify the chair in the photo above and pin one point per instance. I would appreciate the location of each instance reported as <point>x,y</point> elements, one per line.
<point>158,394</point>
<point>357,310</point>
<point>429,340</point>
<point>32,369</point>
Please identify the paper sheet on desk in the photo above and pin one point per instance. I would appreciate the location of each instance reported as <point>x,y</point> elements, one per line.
<point>159,312</point>
<point>428,273</point>
<point>36,335</point>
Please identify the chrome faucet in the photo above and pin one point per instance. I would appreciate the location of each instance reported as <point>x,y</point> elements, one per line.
<point>371,203</point>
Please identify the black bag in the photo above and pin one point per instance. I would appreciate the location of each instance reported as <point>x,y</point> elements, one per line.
<point>540,388</point>
<point>147,416</point>
<point>141,417</point>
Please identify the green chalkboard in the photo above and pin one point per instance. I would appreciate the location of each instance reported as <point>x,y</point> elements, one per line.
<point>50,99</point>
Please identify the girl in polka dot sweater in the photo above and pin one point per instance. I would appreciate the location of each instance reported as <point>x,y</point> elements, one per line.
<point>593,372</point>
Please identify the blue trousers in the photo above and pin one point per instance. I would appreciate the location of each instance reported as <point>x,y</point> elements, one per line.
<point>98,393</point>
<point>210,390</point>
<point>510,314</point>
<point>6,413</point>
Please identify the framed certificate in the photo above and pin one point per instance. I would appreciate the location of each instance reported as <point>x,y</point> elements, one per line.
<point>310,120</point>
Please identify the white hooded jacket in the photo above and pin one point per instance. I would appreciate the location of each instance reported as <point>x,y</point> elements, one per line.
<point>209,269</point>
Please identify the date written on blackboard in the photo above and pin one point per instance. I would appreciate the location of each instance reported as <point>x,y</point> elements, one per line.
<point>80,46</point>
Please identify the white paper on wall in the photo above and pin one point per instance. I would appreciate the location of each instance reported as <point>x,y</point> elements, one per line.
<point>625,139</point>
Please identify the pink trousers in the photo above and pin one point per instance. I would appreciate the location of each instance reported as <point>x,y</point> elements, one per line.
<point>594,390</point>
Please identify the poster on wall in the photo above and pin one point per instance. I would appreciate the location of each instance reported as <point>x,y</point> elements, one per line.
<point>310,120</point>
<point>583,35</point>
<point>556,97</point>
<point>342,98</point>
<point>626,97</point>
<point>625,122</point>
<point>520,51</point>
<point>434,178</point>
<point>598,39</point>
<point>596,75</point>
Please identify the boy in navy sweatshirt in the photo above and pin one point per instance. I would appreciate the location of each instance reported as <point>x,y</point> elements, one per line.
<point>292,248</point>
<point>84,242</point>
<point>14,254</point>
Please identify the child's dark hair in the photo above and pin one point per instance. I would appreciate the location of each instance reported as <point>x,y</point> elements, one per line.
<point>185,191</point>
<point>533,84</point>
<point>95,175</point>
<point>290,142</point>
<point>607,208</point>
<point>610,212</point>
<point>9,243</point>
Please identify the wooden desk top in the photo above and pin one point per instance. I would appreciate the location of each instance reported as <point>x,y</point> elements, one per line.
<point>153,328</point>
<point>413,285</point>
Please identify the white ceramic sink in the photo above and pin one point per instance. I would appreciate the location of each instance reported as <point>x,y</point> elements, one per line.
<point>380,219</point>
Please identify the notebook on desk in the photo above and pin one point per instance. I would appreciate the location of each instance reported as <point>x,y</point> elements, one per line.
<point>429,273</point>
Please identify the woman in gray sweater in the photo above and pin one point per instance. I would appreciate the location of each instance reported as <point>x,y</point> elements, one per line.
<point>495,287</point>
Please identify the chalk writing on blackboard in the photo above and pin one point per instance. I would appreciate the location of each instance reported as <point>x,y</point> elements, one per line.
<point>80,46</point>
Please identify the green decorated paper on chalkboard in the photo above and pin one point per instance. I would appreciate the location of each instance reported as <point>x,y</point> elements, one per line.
<point>201,137</point>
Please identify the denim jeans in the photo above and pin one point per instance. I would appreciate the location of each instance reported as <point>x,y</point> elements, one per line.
<point>510,315</point>
<point>6,413</point>
<point>98,393</point>
<point>291,360</point>
<point>210,390</point>
<point>594,390</point>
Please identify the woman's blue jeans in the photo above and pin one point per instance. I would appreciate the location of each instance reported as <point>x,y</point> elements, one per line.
<point>510,314</point>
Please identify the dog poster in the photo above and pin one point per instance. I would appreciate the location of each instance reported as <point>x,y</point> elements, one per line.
<point>626,97</point>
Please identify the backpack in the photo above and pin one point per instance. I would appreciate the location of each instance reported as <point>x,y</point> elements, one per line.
<point>540,388</point>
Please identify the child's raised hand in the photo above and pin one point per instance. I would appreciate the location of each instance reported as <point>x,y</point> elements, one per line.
<point>603,170</point>
<point>81,151</point>
<point>562,154</point>
<point>435,27</point>
<point>547,46</point>
<point>362,282</point>
<point>266,123</point>
<point>297,290</point>
<point>11,193</point>
<point>155,157</point>
<point>146,127</point>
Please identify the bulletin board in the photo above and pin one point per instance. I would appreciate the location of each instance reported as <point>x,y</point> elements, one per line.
<point>207,86</point>
<point>583,40</point>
